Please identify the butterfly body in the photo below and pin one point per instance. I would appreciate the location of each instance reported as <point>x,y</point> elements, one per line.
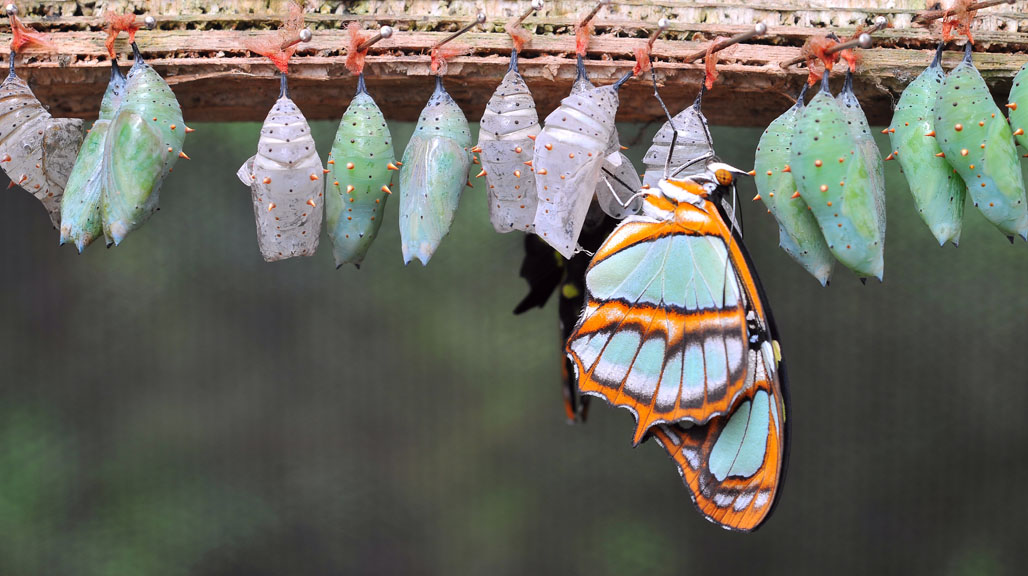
<point>676,330</point>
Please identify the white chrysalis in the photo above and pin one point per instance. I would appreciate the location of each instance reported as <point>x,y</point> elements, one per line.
<point>285,179</point>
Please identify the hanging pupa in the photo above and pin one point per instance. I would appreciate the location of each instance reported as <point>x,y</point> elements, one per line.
<point>692,146</point>
<point>836,185</point>
<point>360,165</point>
<point>285,174</point>
<point>938,191</point>
<point>799,234</point>
<point>435,169</point>
<point>81,217</point>
<point>143,143</point>
<point>979,144</point>
<point>37,151</point>
<point>506,143</point>
<point>618,179</point>
<point>867,149</point>
<point>569,156</point>
<point>1018,106</point>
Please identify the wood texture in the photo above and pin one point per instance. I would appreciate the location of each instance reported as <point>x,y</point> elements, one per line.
<point>198,47</point>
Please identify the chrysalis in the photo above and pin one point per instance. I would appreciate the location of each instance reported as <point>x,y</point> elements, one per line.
<point>37,151</point>
<point>357,187</point>
<point>691,147</point>
<point>144,142</point>
<point>569,156</point>
<point>81,218</point>
<point>1018,105</point>
<point>434,173</point>
<point>836,185</point>
<point>978,144</point>
<point>938,191</point>
<point>507,142</point>
<point>867,149</point>
<point>284,178</point>
<point>618,178</point>
<point>799,234</point>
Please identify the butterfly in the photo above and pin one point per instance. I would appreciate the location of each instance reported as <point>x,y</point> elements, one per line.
<point>677,330</point>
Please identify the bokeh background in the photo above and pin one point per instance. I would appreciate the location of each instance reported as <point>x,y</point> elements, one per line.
<point>177,406</point>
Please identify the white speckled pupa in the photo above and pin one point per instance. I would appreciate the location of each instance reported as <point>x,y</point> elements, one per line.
<point>37,151</point>
<point>506,140</point>
<point>569,157</point>
<point>285,180</point>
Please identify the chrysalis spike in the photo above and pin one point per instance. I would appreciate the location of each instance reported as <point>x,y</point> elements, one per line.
<point>361,88</point>
<point>283,90</point>
<point>11,64</point>
<point>513,60</point>
<point>580,68</point>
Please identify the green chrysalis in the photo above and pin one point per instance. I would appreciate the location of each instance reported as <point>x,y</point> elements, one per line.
<point>360,171</point>
<point>799,234</point>
<point>37,151</point>
<point>868,150</point>
<point>142,146</point>
<point>434,173</point>
<point>81,219</point>
<point>979,145</point>
<point>1018,106</point>
<point>937,190</point>
<point>836,184</point>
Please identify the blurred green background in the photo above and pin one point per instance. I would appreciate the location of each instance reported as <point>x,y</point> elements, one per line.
<point>178,406</point>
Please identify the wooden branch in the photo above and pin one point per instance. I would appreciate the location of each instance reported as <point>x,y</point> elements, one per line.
<point>203,58</point>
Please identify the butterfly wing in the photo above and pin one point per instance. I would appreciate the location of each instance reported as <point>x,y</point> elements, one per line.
<point>734,465</point>
<point>670,310</point>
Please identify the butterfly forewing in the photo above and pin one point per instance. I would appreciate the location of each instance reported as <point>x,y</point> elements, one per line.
<point>670,312</point>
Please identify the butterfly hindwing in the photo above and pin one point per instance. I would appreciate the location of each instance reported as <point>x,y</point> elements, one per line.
<point>733,466</point>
